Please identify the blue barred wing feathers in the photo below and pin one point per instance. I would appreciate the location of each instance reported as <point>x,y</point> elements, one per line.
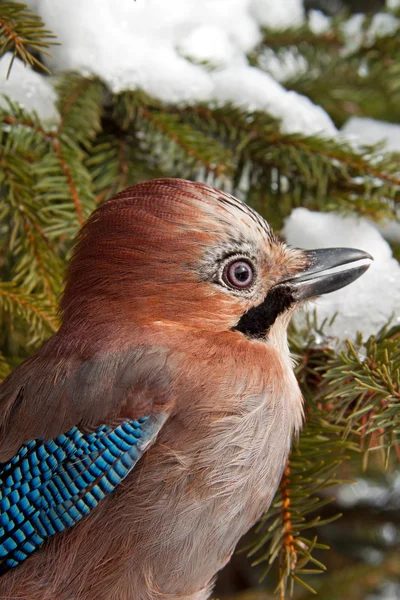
<point>48,486</point>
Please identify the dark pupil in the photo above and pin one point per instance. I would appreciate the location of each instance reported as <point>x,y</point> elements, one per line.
<point>241,273</point>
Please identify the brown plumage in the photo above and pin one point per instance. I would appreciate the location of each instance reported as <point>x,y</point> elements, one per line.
<point>150,325</point>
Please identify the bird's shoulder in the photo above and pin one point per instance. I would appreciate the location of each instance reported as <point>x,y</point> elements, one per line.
<point>64,386</point>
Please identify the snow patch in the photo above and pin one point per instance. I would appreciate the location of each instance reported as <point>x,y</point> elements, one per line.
<point>372,131</point>
<point>252,88</point>
<point>289,63</point>
<point>382,25</point>
<point>209,43</point>
<point>277,14</point>
<point>318,22</point>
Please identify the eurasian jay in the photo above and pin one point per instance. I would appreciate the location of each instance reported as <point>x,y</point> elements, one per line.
<point>150,432</point>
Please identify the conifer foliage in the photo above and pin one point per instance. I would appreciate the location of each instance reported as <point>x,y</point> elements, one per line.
<point>53,175</point>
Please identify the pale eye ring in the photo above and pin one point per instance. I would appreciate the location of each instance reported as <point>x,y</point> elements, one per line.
<point>239,274</point>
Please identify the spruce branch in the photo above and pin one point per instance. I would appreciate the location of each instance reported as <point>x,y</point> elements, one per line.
<point>33,261</point>
<point>320,173</point>
<point>22,32</point>
<point>80,104</point>
<point>303,37</point>
<point>127,164</point>
<point>177,139</point>
<point>342,80</point>
<point>126,107</point>
<point>317,172</point>
<point>70,180</point>
<point>355,581</point>
<point>61,178</point>
<point>31,309</point>
<point>340,387</point>
<point>21,119</point>
<point>362,388</point>
<point>65,186</point>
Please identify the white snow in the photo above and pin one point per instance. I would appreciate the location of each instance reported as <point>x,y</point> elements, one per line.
<point>382,24</point>
<point>318,22</point>
<point>159,45</point>
<point>30,89</point>
<point>289,62</point>
<point>372,131</point>
<point>278,14</point>
<point>363,491</point>
<point>285,65</point>
<point>352,30</point>
<point>368,303</point>
<point>209,43</point>
<point>387,590</point>
<point>251,87</point>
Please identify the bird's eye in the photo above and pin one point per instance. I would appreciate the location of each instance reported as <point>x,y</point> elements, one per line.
<point>239,274</point>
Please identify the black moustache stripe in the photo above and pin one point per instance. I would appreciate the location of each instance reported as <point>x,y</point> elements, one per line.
<point>256,322</point>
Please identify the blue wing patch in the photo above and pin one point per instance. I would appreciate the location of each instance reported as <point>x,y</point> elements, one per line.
<point>49,486</point>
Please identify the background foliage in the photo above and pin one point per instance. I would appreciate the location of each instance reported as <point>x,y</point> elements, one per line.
<point>52,176</point>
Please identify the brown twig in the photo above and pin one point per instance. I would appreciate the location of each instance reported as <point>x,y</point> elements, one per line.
<point>289,549</point>
<point>70,181</point>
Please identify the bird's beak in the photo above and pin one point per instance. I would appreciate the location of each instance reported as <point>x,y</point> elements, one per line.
<point>319,278</point>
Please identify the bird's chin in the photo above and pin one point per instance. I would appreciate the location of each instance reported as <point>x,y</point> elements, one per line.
<point>323,274</point>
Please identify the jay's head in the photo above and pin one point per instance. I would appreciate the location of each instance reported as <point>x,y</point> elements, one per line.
<point>173,252</point>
